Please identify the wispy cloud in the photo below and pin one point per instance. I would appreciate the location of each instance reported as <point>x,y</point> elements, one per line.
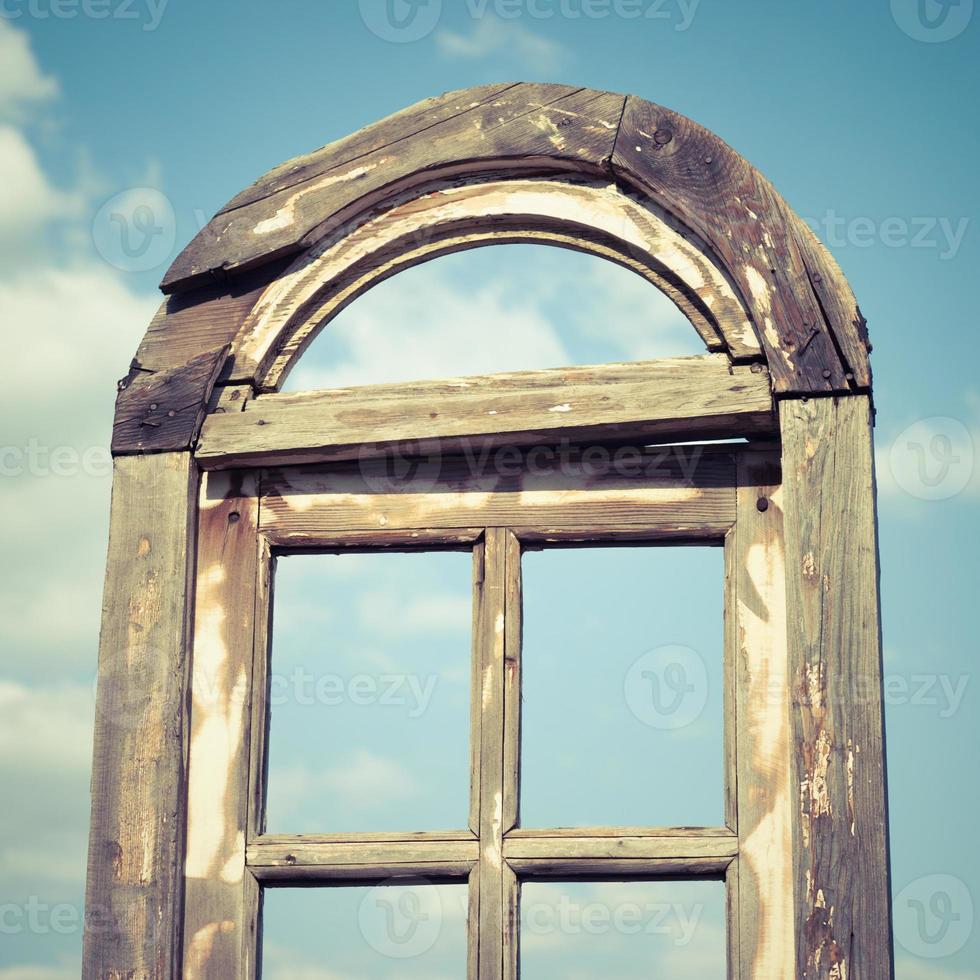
<point>23,85</point>
<point>492,37</point>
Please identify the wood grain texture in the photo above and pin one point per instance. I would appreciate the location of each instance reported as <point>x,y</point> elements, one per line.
<point>641,402</point>
<point>763,881</point>
<point>840,818</point>
<point>592,216</point>
<point>677,491</point>
<point>284,860</point>
<point>220,902</point>
<point>760,241</point>
<point>133,897</point>
<point>490,617</point>
<point>162,411</point>
<point>524,128</point>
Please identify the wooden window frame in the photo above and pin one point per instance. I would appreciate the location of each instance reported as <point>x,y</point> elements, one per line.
<point>604,173</point>
<point>248,518</point>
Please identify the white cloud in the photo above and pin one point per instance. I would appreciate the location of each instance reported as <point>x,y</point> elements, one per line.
<point>28,201</point>
<point>492,36</point>
<point>367,776</point>
<point>22,82</point>
<point>363,776</point>
<point>388,613</point>
<point>451,331</point>
<point>632,314</point>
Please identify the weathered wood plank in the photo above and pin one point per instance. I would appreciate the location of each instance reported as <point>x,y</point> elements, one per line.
<point>840,820</point>
<point>735,209</point>
<point>698,397</point>
<point>513,640</point>
<point>221,904</point>
<point>302,859</point>
<point>523,129</point>
<point>757,604</point>
<point>202,318</point>
<point>607,847</point>
<point>133,898</point>
<point>491,640</point>
<point>680,491</point>
<point>162,411</point>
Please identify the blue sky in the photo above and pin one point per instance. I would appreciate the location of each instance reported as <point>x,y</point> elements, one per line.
<point>863,117</point>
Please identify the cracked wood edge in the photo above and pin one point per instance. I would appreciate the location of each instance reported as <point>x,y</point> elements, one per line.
<point>162,411</point>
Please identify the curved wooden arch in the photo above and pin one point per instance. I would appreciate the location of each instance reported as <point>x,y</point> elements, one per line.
<point>807,325</point>
<point>591,217</point>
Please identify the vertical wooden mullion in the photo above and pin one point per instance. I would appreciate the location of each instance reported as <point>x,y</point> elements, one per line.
<point>490,639</point>
<point>221,897</point>
<point>730,711</point>
<point>258,747</point>
<point>513,638</point>
<point>762,898</point>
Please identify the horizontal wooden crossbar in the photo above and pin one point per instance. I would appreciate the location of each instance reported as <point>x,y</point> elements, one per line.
<point>298,859</point>
<point>676,492</point>
<point>647,401</point>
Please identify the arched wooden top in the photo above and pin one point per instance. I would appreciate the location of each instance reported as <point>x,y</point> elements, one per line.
<point>808,327</point>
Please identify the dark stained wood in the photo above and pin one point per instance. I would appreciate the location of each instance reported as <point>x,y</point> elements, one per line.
<point>736,210</point>
<point>162,411</point>
<point>136,839</point>
<point>703,397</point>
<point>202,318</point>
<point>840,817</point>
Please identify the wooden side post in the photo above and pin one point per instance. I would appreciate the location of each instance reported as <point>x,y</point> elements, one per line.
<point>137,832</point>
<point>840,835</point>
